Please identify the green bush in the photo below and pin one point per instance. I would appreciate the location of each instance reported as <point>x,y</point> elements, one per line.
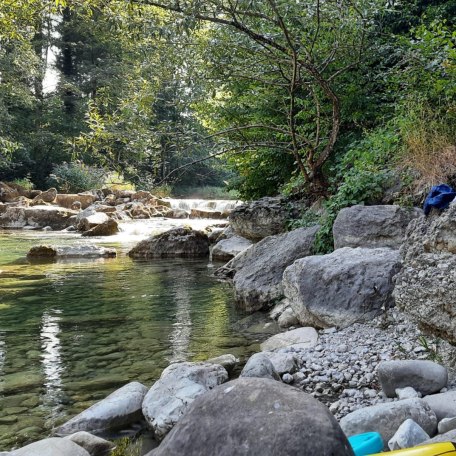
<point>360,177</point>
<point>75,177</point>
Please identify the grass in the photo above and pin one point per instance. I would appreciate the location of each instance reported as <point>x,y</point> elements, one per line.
<point>429,148</point>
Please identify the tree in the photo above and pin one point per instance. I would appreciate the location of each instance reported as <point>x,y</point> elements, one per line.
<point>297,48</point>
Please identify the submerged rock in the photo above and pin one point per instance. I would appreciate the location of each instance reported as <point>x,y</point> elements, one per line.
<point>178,242</point>
<point>372,226</point>
<point>257,272</point>
<point>425,377</point>
<point>179,385</point>
<point>346,286</point>
<point>255,417</point>
<point>120,408</point>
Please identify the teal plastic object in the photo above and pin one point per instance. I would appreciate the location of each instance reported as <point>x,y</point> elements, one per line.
<point>365,444</point>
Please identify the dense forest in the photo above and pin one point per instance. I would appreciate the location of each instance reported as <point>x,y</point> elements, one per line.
<point>339,98</point>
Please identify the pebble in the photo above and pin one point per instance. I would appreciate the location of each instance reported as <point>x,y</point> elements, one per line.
<point>341,371</point>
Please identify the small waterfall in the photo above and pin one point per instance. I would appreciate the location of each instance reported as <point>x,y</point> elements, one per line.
<point>223,206</point>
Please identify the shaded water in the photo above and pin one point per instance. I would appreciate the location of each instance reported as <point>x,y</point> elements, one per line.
<point>72,332</point>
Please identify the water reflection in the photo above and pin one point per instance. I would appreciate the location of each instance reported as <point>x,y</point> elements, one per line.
<point>182,328</point>
<point>2,354</point>
<point>51,358</point>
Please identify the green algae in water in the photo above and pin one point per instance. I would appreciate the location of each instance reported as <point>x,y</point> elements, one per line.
<point>72,332</point>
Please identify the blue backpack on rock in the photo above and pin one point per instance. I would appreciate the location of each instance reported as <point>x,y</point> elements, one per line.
<point>439,197</point>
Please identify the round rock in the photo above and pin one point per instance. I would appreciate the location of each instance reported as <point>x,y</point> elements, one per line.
<point>425,377</point>
<point>255,417</point>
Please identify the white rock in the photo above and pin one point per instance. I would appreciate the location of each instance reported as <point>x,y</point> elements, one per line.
<point>408,435</point>
<point>407,393</point>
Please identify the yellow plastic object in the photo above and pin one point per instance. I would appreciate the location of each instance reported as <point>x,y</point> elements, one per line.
<point>435,449</point>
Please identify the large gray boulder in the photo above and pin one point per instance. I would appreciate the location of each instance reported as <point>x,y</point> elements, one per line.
<point>426,287</point>
<point>226,249</point>
<point>387,417</point>
<point>425,377</point>
<point>261,218</point>
<point>178,242</point>
<point>372,226</point>
<point>346,286</point>
<point>53,446</point>
<point>255,417</point>
<point>120,408</point>
<point>179,385</point>
<point>36,216</point>
<point>257,272</point>
<point>260,366</point>
<point>443,404</point>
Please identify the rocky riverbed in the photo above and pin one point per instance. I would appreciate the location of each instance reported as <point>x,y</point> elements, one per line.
<point>344,345</point>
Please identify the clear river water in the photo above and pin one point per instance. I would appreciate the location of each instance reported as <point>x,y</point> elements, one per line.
<point>71,332</point>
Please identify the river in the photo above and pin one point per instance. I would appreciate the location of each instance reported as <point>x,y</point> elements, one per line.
<point>71,332</point>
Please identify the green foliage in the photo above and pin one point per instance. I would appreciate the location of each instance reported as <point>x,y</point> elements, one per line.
<point>25,183</point>
<point>76,177</point>
<point>360,177</point>
<point>126,447</point>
